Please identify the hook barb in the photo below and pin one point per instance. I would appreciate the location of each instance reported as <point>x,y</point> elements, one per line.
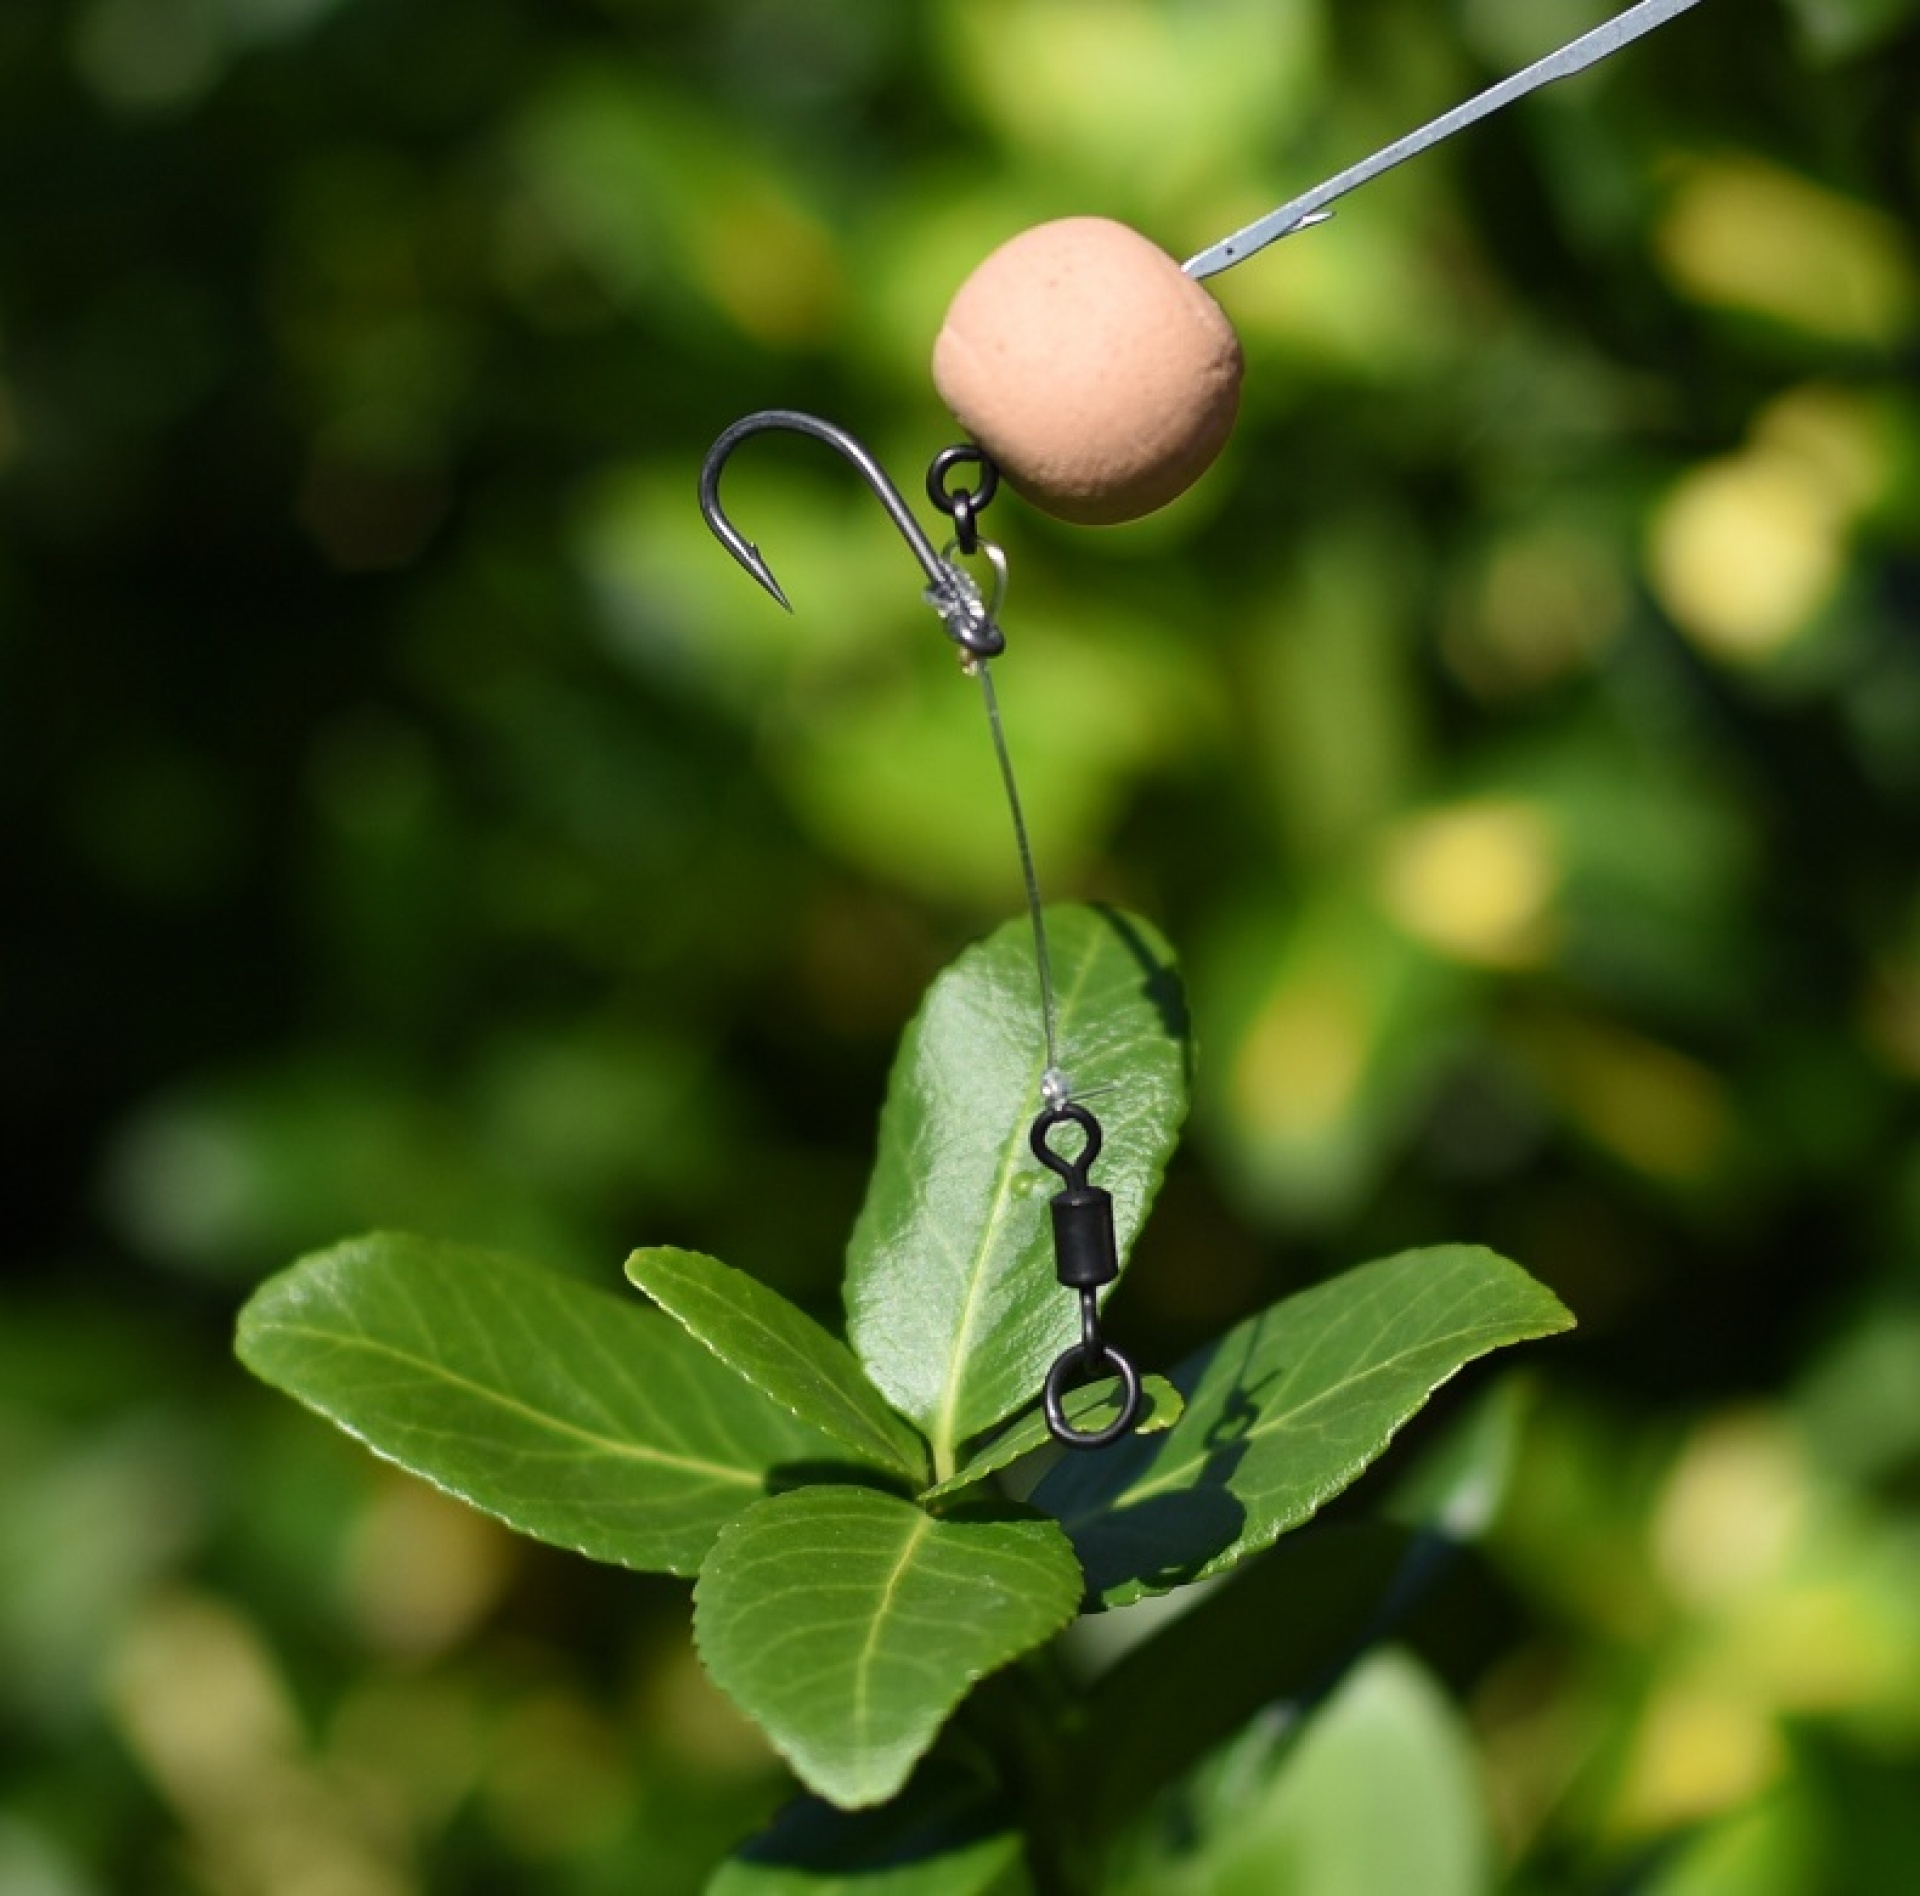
<point>748,555</point>
<point>952,594</point>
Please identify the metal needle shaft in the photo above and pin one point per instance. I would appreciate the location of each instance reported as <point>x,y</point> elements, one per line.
<point>1310,206</point>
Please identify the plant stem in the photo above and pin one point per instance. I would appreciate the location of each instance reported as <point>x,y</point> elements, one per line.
<point>1030,1717</point>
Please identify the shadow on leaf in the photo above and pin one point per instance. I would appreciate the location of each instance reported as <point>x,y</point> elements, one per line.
<point>1164,1538</point>
<point>788,1476</point>
<point>943,1819</point>
<point>1159,1543</point>
<point>1162,986</point>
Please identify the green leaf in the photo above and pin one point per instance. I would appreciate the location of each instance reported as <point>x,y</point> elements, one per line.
<point>1271,1632</point>
<point>1303,1812</point>
<point>944,1835</point>
<point>1276,1628</point>
<point>782,1352</point>
<point>1284,1412</point>
<point>952,1301</point>
<point>575,1416</point>
<point>1088,1408</point>
<point>849,1623</point>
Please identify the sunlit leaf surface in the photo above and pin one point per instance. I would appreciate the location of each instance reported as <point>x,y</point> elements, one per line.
<point>849,1623</point>
<point>1089,1410</point>
<point>782,1352</point>
<point>574,1415</point>
<point>952,1300</point>
<point>1286,1410</point>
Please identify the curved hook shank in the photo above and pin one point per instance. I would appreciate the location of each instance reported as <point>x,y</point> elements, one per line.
<point>948,589</point>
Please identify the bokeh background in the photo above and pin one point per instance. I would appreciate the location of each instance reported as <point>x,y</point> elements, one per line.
<point>413,818</point>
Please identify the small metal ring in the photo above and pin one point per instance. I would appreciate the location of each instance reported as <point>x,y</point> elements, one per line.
<point>1108,1359</point>
<point>964,505</point>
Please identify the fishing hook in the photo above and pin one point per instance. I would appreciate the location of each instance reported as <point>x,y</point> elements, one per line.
<point>952,593</point>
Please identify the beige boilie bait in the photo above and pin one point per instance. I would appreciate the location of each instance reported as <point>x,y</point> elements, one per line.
<point>1099,375</point>
<point>1097,372</point>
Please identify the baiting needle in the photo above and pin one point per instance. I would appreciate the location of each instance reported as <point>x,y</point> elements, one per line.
<point>1310,207</point>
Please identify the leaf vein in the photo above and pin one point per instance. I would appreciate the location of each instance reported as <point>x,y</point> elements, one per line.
<point>735,1474</point>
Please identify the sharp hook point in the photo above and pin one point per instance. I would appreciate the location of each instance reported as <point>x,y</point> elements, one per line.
<point>755,562</point>
<point>794,422</point>
<point>973,631</point>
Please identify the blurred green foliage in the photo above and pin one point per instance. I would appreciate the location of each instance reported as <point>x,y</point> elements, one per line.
<point>415,819</point>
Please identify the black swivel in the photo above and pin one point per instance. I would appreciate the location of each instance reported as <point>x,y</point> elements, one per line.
<point>1086,1258</point>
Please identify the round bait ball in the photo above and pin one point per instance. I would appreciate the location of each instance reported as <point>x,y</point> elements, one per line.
<point>1099,375</point>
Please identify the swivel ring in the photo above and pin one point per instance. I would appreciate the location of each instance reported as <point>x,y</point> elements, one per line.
<point>1106,1359</point>
<point>961,505</point>
<point>1075,1169</point>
